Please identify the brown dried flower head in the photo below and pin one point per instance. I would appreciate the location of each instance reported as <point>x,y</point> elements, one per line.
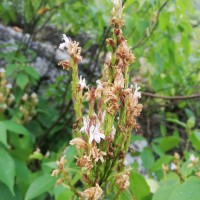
<point>85,163</point>
<point>61,163</point>
<point>65,64</point>
<point>97,154</point>
<point>122,181</point>
<point>93,193</point>
<point>79,143</point>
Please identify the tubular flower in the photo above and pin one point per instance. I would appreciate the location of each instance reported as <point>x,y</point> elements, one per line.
<point>92,130</point>
<point>99,89</point>
<point>72,47</point>
<point>82,83</point>
<point>66,43</point>
<point>137,94</point>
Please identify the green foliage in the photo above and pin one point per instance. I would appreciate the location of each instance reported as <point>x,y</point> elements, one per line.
<point>165,38</point>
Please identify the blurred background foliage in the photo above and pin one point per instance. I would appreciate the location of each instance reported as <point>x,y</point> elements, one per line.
<point>165,38</point>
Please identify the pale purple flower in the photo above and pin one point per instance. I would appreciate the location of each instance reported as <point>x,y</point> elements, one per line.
<point>99,85</point>
<point>137,94</point>
<point>173,167</point>
<point>82,82</point>
<point>2,70</point>
<point>192,158</point>
<point>8,86</point>
<point>92,130</point>
<point>66,43</point>
<point>95,133</point>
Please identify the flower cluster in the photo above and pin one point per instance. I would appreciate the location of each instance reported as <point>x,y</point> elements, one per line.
<point>102,136</point>
<point>28,107</point>
<point>6,96</point>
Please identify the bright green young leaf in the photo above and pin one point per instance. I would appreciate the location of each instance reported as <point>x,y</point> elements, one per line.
<point>3,134</point>
<point>153,185</point>
<point>22,80</point>
<point>7,170</point>
<point>191,122</point>
<point>176,121</point>
<point>168,143</point>
<point>139,187</point>
<point>40,185</point>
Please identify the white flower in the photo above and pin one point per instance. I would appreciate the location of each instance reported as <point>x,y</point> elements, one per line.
<point>82,82</point>
<point>25,97</point>
<point>4,106</point>
<point>85,125</point>
<point>99,85</point>
<point>12,96</point>
<point>34,95</point>
<point>173,166</point>
<point>192,158</point>
<point>92,130</point>
<point>137,94</point>
<point>117,2</point>
<point>66,43</point>
<point>2,70</point>
<point>9,86</point>
<point>95,133</point>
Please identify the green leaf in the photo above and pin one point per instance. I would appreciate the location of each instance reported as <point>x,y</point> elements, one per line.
<point>195,139</point>
<point>139,186</point>
<point>7,195</point>
<point>176,121</point>
<point>147,158</point>
<point>191,122</point>
<point>169,142</point>
<point>125,195</point>
<point>16,128</point>
<point>163,193</point>
<point>153,185</point>
<point>70,154</point>
<point>39,186</point>
<point>7,170</point>
<point>32,72</point>
<point>10,69</point>
<point>189,190</point>
<point>22,80</point>
<point>3,134</point>
<point>163,160</point>
<point>66,194</point>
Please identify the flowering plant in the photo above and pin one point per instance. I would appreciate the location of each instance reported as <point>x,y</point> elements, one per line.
<point>102,136</point>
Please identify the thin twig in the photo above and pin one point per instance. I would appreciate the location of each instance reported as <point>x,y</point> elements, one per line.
<point>146,35</point>
<point>193,96</point>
